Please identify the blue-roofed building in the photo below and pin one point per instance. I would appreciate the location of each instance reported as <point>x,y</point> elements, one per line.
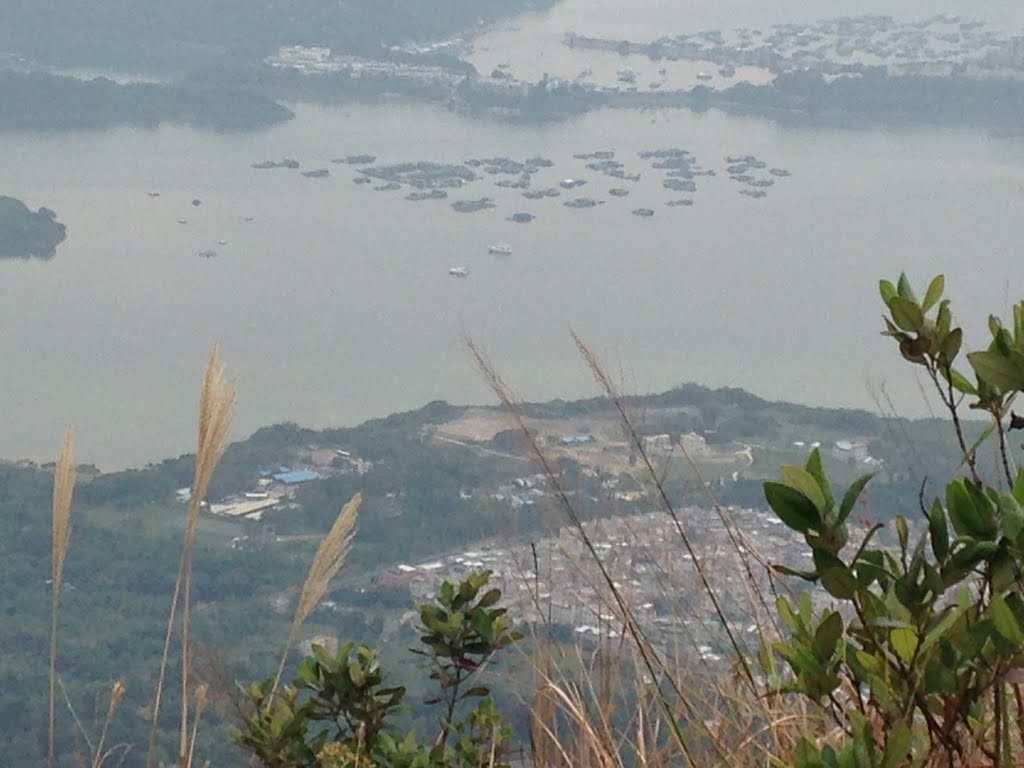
<point>577,439</point>
<point>296,476</point>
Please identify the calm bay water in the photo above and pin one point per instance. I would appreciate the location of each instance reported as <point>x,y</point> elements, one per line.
<point>333,304</point>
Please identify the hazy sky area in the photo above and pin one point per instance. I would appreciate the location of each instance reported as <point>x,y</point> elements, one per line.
<point>334,304</point>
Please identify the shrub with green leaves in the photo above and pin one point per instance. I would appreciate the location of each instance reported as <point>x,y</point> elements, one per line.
<point>338,712</point>
<point>919,656</point>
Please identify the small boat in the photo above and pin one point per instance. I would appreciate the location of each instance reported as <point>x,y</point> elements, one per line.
<point>704,76</point>
<point>222,242</point>
<point>458,272</point>
<point>500,249</point>
<point>207,254</point>
<point>183,221</point>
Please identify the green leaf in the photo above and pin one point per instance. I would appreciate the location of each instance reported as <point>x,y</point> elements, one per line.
<point>950,346</point>
<point>984,508</point>
<point>826,637</point>
<point>903,288</point>
<point>985,433</point>
<point>892,330</point>
<point>904,642</point>
<point>934,292</point>
<point>851,496</point>
<point>962,513</point>
<point>490,598</point>
<point>803,481</point>
<point>887,291</point>
<point>786,613</point>
<point>966,558</point>
<point>1005,622</point>
<point>938,531</point>
<point>906,314</point>
<point>1003,572</point>
<point>787,571</point>
<point>1003,372</point>
<point>1003,341</point>
<point>902,532</point>
<point>817,471</point>
<point>958,381</point>
<point>897,741</point>
<point>836,576</point>
<point>943,625</point>
<point>1018,486</point>
<point>793,508</point>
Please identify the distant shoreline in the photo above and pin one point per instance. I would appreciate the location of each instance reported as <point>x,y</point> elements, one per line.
<point>873,98</point>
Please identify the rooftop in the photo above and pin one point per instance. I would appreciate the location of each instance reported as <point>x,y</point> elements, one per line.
<point>295,476</point>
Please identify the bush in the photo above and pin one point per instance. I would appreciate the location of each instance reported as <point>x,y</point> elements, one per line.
<point>338,712</point>
<point>918,659</point>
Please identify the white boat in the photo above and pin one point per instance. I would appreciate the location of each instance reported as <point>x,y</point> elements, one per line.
<point>222,242</point>
<point>704,76</point>
<point>500,249</point>
<point>458,272</point>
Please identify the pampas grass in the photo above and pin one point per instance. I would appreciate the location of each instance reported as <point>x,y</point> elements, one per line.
<point>216,405</point>
<point>330,556</point>
<point>201,695</point>
<point>99,756</point>
<point>63,491</point>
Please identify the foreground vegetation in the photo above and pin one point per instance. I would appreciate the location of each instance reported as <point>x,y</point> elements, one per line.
<point>886,652</point>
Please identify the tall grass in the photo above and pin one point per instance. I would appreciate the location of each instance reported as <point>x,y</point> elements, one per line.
<point>216,405</point>
<point>63,491</point>
<point>674,709</point>
<point>330,556</point>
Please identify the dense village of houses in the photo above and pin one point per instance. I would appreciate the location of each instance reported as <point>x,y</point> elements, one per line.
<point>937,46</point>
<point>553,581</point>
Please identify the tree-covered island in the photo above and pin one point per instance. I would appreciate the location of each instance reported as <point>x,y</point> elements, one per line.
<point>25,233</point>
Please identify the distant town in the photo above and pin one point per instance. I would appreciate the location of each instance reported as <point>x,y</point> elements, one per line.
<point>652,72</point>
<point>550,577</point>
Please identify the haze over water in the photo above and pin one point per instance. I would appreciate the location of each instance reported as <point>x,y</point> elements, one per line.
<point>334,303</point>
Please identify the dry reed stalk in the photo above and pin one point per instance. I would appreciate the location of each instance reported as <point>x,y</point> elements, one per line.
<point>734,705</point>
<point>201,692</point>
<point>597,369</point>
<point>63,492</point>
<point>216,405</point>
<point>329,558</point>
<point>646,651</point>
<point>116,692</point>
<point>74,715</point>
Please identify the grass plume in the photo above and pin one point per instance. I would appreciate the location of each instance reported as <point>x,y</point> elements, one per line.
<point>330,556</point>
<point>116,692</point>
<point>216,406</point>
<point>63,491</point>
